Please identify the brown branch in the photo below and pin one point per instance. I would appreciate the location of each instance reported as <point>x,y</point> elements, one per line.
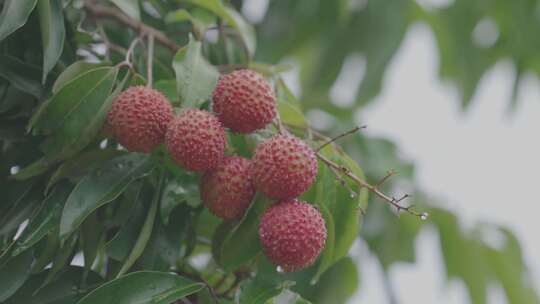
<point>391,200</point>
<point>100,11</point>
<point>355,129</point>
<point>385,178</point>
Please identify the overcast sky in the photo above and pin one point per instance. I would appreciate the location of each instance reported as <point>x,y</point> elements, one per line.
<point>482,163</point>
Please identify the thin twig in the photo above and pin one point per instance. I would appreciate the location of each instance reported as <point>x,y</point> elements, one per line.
<point>385,178</point>
<point>391,200</point>
<point>353,130</point>
<point>100,11</point>
<point>150,61</point>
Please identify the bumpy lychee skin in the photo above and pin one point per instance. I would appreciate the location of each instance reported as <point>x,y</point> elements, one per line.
<point>292,234</point>
<point>196,140</point>
<point>138,118</point>
<point>244,101</point>
<point>283,167</point>
<point>228,190</point>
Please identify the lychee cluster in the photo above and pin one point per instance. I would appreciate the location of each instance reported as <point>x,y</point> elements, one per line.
<point>292,232</point>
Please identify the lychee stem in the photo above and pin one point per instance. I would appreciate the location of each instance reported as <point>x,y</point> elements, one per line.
<point>150,61</point>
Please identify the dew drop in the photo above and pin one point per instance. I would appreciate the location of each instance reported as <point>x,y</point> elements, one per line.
<point>280,269</point>
<point>424,216</point>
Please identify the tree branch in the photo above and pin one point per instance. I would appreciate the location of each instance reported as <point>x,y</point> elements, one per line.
<point>100,11</point>
<point>340,136</point>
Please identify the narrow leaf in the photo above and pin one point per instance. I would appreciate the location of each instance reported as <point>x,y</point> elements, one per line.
<point>144,287</point>
<point>14,15</point>
<point>100,187</point>
<point>53,33</point>
<point>14,274</point>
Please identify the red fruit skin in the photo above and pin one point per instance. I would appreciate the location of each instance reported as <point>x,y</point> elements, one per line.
<point>292,234</point>
<point>244,101</point>
<point>228,190</point>
<point>138,118</point>
<point>196,140</point>
<point>283,167</point>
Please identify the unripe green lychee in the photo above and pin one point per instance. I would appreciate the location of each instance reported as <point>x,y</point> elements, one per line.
<point>244,101</point>
<point>292,234</point>
<point>228,190</point>
<point>138,118</point>
<point>196,140</point>
<point>283,167</point>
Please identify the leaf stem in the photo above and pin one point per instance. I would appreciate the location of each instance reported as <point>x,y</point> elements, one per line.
<point>150,61</point>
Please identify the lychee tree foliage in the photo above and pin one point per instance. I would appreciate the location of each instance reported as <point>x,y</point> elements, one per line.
<point>149,157</point>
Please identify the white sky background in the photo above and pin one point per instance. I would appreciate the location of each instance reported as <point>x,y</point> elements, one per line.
<point>482,163</point>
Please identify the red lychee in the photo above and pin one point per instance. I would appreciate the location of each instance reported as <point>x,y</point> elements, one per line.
<point>244,101</point>
<point>283,167</point>
<point>138,118</point>
<point>228,190</point>
<point>292,234</point>
<point>196,140</point>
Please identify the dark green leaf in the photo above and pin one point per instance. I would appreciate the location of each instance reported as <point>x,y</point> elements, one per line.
<point>14,15</point>
<point>181,189</point>
<point>72,72</point>
<point>45,221</point>
<point>67,289</point>
<point>245,236</point>
<point>14,274</point>
<point>100,187</point>
<point>233,18</point>
<point>53,32</point>
<point>146,230</point>
<point>143,287</point>
<point>21,75</point>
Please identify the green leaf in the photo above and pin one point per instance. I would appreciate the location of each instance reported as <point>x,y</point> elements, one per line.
<point>21,75</point>
<point>244,235</point>
<point>91,236</point>
<point>146,230</point>
<point>72,72</point>
<point>200,20</point>
<point>78,166</point>
<point>45,221</point>
<point>82,125</point>
<point>325,197</point>
<point>21,210</point>
<point>119,247</point>
<point>144,287</point>
<point>182,189</point>
<point>100,187</point>
<point>14,15</point>
<point>65,290</point>
<point>233,18</point>
<point>129,7</point>
<point>62,259</point>
<point>168,88</point>
<point>195,77</point>
<point>289,297</point>
<point>53,33</point>
<point>14,274</point>
<point>72,98</point>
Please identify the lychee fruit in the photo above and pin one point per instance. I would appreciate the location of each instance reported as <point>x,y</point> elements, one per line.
<point>228,190</point>
<point>244,101</point>
<point>283,167</point>
<point>292,234</point>
<point>196,140</point>
<point>138,118</point>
